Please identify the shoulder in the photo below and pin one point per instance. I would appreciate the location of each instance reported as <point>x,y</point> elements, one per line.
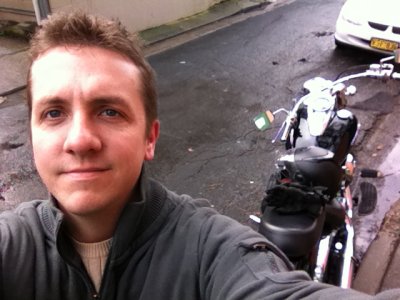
<point>22,211</point>
<point>195,209</point>
<point>212,226</point>
<point>24,219</point>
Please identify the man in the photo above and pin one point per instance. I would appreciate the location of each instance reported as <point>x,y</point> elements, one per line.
<point>108,231</point>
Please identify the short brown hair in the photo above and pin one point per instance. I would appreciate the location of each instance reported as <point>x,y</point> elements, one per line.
<point>82,29</point>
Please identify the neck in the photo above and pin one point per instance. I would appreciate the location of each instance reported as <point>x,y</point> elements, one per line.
<point>92,229</point>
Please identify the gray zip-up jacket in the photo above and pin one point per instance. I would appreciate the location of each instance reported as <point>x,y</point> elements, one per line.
<point>165,247</point>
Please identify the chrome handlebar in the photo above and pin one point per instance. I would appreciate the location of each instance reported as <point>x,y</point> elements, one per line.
<point>376,71</point>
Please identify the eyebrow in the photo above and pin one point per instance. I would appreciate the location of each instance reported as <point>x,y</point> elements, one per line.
<point>100,101</point>
<point>97,101</point>
<point>50,101</point>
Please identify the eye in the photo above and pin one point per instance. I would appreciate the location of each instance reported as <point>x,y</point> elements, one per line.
<point>53,114</point>
<point>110,113</point>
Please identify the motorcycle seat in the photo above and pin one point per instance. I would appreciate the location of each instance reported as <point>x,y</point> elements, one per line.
<point>295,234</point>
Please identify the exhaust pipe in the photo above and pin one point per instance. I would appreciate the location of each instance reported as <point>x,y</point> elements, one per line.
<point>348,259</point>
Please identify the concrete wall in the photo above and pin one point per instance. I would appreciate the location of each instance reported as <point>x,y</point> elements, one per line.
<point>17,10</point>
<point>138,15</point>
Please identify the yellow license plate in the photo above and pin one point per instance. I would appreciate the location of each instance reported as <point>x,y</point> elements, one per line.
<point>383,44</point>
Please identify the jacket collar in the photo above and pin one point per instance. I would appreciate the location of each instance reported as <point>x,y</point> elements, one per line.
<point>138,214</point>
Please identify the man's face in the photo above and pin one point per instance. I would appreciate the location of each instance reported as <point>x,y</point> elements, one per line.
<point>88,128</point>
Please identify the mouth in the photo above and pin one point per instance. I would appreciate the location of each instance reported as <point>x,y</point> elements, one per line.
<point>85,173</point>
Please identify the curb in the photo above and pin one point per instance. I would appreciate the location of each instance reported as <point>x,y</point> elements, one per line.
<point>381,263</point>
<point>372,271</point>
<point>13,29</point>
<point>214,14</point>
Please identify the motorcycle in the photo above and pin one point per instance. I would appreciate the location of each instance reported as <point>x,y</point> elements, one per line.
<point>308,207</point>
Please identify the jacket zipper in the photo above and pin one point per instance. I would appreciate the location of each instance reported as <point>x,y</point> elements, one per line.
<point>82,272</point>
<point>95,294</point>
<point>86,278</point>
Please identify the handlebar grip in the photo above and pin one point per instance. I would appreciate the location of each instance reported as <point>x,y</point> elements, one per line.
<point>286,131</point>
<point>396,75</point>
<point>370,173</point>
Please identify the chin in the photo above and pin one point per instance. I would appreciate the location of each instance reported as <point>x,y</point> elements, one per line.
<point>83,204</point>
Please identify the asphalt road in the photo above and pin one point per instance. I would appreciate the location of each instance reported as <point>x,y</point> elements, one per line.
<point>211,88</point>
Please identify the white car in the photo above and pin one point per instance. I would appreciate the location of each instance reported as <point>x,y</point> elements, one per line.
<point>369,24</point>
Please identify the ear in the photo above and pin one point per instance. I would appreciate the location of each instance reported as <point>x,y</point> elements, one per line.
<point>151,140</point>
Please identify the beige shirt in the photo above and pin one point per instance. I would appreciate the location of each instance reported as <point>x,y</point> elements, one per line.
<point>94,257</point>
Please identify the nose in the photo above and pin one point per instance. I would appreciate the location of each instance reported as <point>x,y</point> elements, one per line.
<point>82,136</point>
